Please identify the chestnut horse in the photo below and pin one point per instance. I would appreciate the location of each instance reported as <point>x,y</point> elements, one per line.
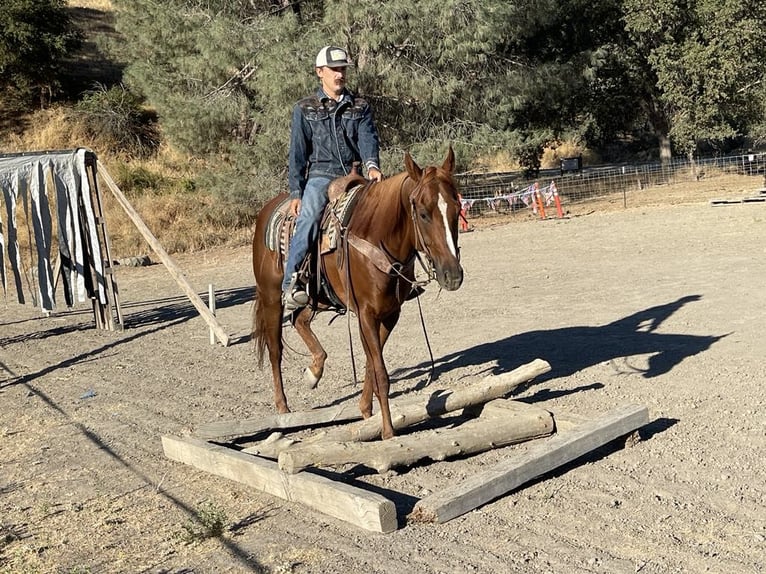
<point>392,220</point>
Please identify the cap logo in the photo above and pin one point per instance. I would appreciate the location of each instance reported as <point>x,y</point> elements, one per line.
<point>337,55</point>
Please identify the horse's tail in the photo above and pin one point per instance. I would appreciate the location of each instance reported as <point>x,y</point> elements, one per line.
<point>257,334</point>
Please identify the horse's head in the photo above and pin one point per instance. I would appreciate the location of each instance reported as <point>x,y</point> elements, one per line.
<point>435,209</point>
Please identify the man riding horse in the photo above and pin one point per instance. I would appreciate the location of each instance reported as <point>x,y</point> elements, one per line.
<point>331,130</point>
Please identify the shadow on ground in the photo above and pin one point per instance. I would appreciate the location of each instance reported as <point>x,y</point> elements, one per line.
<point>573,349</point>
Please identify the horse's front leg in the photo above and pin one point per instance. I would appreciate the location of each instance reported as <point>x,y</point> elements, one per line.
<point>374,335</point>
<point>313,373</point>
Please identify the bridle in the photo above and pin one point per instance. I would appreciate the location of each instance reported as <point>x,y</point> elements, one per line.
<point>420,243</point>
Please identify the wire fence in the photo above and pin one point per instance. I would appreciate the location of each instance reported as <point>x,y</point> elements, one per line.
<point>501,192</point>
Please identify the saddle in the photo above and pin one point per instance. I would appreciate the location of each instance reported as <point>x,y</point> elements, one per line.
<point>342,194</point>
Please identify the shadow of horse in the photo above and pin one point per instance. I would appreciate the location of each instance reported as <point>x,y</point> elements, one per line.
<point>572,349</point>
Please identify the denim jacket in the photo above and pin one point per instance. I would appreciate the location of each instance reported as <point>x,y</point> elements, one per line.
<point>328,136</point>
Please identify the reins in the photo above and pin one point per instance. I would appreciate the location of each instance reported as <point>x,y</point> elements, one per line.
<point>387,263</point>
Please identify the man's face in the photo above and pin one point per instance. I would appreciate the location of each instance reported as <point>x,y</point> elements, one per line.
<point>333,80</point>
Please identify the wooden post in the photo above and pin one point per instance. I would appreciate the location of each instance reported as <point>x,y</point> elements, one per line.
<point>359,507</point>
<point>211,304</point>
<point>171,266</point>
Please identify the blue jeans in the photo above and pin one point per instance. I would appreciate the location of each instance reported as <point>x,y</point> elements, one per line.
<point>307,225</point>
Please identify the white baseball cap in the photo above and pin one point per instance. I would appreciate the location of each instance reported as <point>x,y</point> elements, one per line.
<point>333,57</point>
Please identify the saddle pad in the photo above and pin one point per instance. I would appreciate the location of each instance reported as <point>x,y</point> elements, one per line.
<point>338,212</point>
<point>275,239</point>
<point>280,226</point>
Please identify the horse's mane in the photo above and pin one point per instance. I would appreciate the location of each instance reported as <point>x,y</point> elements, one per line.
<point>383,205</point>
<point>379,205</point>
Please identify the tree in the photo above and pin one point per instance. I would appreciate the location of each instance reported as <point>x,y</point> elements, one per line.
<point>700,67</point>
<point>35,37</point>
<point>484,75</point>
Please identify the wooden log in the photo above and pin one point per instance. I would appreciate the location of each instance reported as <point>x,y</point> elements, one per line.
<point>170,265</point>
<point>524,422</point>
<point>298,419</point>
<point>441,402</point>
<point>359,507</point>
<point>537,460</point>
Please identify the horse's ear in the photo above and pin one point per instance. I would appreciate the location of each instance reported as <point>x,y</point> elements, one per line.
<point>449,162</point>
<point>413,169</point>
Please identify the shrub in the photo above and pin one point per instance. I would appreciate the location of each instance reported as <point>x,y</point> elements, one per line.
<point>116,116</point>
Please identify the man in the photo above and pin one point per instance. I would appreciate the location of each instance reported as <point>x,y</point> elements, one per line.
<point>331,130</point>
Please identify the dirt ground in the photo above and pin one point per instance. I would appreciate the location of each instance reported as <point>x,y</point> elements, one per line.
<point>660,303</point>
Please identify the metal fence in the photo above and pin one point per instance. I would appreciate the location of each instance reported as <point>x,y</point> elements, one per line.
<point>511,191</point>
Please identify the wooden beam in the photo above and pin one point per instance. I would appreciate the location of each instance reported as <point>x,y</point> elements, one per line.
<point>537,460</point>
<point>524,422</point>
<point>298,419</point>
<point>441,402</point>
<point>359,507</point>
<point>170,265</point>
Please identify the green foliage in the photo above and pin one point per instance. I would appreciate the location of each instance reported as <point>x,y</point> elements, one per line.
<point>117,118</point>
<point>137,180</point>
<point>210,522</point>
<point>706,57</point>
<point>35,37</point>
<point>484,75</point>
<point>241,184</point>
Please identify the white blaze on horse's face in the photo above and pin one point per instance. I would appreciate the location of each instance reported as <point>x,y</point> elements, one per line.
<point>443,209</point>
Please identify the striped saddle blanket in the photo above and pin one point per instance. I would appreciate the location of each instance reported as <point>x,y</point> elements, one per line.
<point>336,216</point>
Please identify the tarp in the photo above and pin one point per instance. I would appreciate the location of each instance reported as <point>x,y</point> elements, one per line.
<point>29,182</point>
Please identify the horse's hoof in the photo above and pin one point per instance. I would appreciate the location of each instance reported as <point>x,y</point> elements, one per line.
<point>311,379</point>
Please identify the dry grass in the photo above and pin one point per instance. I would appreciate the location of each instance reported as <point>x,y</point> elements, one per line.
<point>182,220</point>
<point>552,155</point>
<point>46,130</point>
<point>503,160</point>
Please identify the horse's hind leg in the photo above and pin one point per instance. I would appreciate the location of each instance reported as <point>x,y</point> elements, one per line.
<point>271,324</point>
<point>313,373</point>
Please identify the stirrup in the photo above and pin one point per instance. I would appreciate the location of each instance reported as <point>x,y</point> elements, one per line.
<point>295,299</point>
<point>294,296</point>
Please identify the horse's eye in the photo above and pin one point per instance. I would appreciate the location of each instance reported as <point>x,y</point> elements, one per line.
<point>424,216</point>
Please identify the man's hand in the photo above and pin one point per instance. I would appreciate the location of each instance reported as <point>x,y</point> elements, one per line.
<point>374,174</point>
<point>294,208</point>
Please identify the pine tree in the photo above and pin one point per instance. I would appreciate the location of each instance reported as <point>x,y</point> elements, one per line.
<point>35,37</point>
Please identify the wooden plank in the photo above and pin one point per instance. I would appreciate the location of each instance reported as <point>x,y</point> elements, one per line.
<point>537,460</point>
<point>170,265</point>
<point>359,507</point>
<point>298,419</point>
<point>524,422</point>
